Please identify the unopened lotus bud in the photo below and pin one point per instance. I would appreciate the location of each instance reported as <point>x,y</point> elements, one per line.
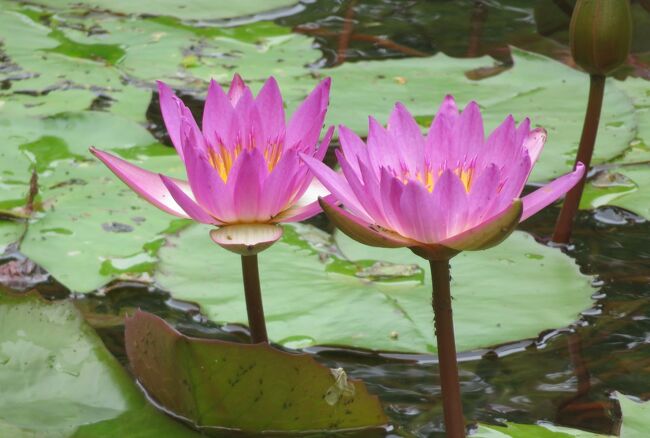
<point>600,34</point>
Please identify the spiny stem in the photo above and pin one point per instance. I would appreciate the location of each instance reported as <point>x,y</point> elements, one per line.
<point>564,224</point>
<point>447,362</point>
<point>253,293</point>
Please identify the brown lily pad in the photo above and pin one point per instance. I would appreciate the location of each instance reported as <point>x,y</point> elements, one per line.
<point>249,387</point>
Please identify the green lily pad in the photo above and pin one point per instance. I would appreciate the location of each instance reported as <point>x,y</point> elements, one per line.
<point>313,297</point>
<point>39,142</point>
<point>543,430</point>
<point>195,10</point>
<point>10,232</point>
<point>625,186</point>
<point>636,423</point>
<point>95,228</point>
<point>222,381</point>
<point>58,361</point>
<point>636,417</point>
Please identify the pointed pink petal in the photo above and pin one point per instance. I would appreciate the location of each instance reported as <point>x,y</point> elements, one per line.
<point>483,195</point>
<point>303,179</point>
<point>187,203</point>
<point>270,106</point>
<point>337,185</point>
<point>308,205</point>
<point>417,208</point>
<point>450,198</point>
<point>490,232</point>
<point>551,192</point>
<point>324,144</point>
<point>207,186</point>
<point>246,239</point>
<point>534,143</point>
<point>469,134</point>
<point>251,130</point>
<point>247,173</point>
<point>144,183</point>
<point>237,88</point>
<point>172,108</point>
<point>391,189</point>
<point>354,148</point>
<point>362,231</point>
<point>280,185</point>
<point>219,123</point>
<point>307,121</point>
<point>370,203</point>
<point>381,147</point>
<point>410,141</point>
<point>501,146</point>
<point>439,137</point>
<point>523,130</point>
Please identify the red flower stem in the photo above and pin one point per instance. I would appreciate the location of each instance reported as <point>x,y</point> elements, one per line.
<point>253,293</point>
<point>447,362</point>
<point>564,224</point>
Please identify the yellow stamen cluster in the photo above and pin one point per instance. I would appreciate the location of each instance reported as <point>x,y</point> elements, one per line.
<point>429,177</point>
<point>222,159</point>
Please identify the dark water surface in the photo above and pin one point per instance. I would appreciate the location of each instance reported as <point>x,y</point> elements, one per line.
<point>564,376</point>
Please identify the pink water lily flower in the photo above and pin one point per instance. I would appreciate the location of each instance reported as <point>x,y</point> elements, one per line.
<point>439,194</point>
<point>243,168</point>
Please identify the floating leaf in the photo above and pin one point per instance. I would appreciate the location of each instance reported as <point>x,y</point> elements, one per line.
<point>95,228</point>
<point>625,186</point>
<point>636,423</point>
<point>311,302</point>
<point>194,10</point>
<point>59,380</point>
<point>218,384</point>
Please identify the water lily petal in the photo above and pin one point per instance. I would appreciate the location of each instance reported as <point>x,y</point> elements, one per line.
<point>237,89</point>
<point>534,143</point>
<point>307,121</point>
<point>246,175</point>
<point>490,232</point>
<point>469,134</point>
<point>362,231</point>
<point>410,141</point>
<point>188,204</point>
<point>172,108</point>
<point>247,239</point>
<point>551,192</point>
<point>439,138</point>
<point>209,190</point>
<point>306,206</point>
<point>353,147</point>
<point>450,198</point>
<point>144,183</point>
<point>337,186</point>
<point>219,122</point>
<point>269,104</point>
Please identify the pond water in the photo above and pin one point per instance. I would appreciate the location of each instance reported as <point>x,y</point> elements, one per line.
<point>564,376</point>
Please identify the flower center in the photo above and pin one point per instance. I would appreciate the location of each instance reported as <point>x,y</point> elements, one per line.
<point>222,158</point>
<point>429,176</point>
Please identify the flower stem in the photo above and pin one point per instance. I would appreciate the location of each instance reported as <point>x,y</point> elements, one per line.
<point>447,363</point>
<point>253,294</point>
<point>564,224</point>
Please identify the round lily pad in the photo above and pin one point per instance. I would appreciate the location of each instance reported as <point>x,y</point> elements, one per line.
<point>312,296</point>
<point>94,228</point>
<point>59,380</point>
<point>194,10</point>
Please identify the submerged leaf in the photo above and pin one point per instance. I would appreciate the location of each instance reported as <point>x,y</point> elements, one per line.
<point>220,384</point>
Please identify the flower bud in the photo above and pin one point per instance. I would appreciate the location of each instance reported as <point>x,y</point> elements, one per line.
<point>600,34</point>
